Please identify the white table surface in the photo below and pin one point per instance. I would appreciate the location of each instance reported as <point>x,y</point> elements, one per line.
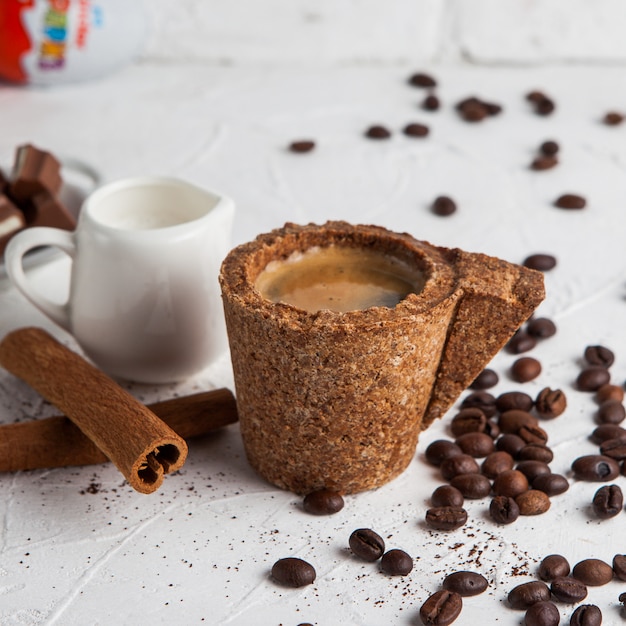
<point>200,549</point>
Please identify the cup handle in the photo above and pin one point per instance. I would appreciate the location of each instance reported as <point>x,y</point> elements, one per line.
<point>18,246</point>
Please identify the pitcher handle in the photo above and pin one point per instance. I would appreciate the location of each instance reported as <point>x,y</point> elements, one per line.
<point>18,246</point>
<point>496,297</point>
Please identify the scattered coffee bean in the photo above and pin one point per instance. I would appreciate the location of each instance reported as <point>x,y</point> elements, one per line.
<point>469,420</point>
<point>549,148</point>
<point>550,403</point>
<point>568,589</point>
<point>302,146</point>
<point>514,400</point>
<point>478,445</point>
<point>510,483</point>
<point>472,110</point>
<point>520,342</point>
<point>540,262</point>
<point>614,448</point>
<point>496,463</point>
<point>613,118</point>
<point>553,566</point>
<point>551,484</point>
<point>610,392</point>
<point>465,583</point>
<point>543,162</point>
<point>545,106</point>
<point>586,615</point>
<point>416,130</point>
<point>619,566</point>
<point>441,609</point>
<point>533,434</point>
<point>523,596</point>
<point>599,355</point>
<point>595,468</point>
<point>533,502</point>
<point>443,206</point>
<point>420,79</point>
<point>604,432</point>
<point>513,420</point>
<point>593,572</point>
<point>447,495</point>
<point>459,464</point>
<point>503,510</point>
<point>481,399</point>
<point>525,369</point>
<point>440,450</point>
<point>377,132</point>
<point>367,544</point>
<point>531,469</point>
<point>536,452</point>
<point>611,412</point>
<point>472,486</point>
<point>541,327</point>
<point>511,443</point>
<point>396,563</point>
<point>431,103</point>
<point>542,614</point>
<point>485,380</point>
<point>535,96</point>
<point>293,572</point>
<point>446,517</point>
<point>608,501</point>
<point>592,378</point>
<point>570,201</point>
<point>323,502</point>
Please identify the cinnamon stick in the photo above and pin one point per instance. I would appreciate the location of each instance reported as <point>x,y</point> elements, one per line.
<point>58,442</point>
<point>141,445</point>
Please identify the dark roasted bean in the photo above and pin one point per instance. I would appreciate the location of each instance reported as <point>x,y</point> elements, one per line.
<point>532,502</point>
<point>533,434</point>
<point>525,595</point>
<point>472,486</point>
<point>431,103</point>
<point>496,463</point>
<point>586,615</point>
<point>323,502</point>
<point>599,355</point>
<point>441,609</point>
<point>481,399</point>
<point>570,201</point>
<point>472,110</point>
<point>485,380</point>
<point>619,566</point>
<point>465,583</point>
<point>551,484</point>
<point>511,421</point>
<point>545,106</point>
<point>592,378</point>
<point>469,420</point>
<point>550,403</point>
<point>440,450</point>
<point>510,400</point>
<point>443,205</point>
<point>608,501</point>
<point>531,469</point>
<point>543,162</point>
<point>610,392</point>
<point>535,96</point>
<point>416,130</point>
<point>293,572</point>
<point>446,517</point>
<point>611,412</point>
<point>377,132</point>
<point>520,342</point>
<point>396,563</point>
<point>420,79</point>
<point>549,147</point>
<point>613,118</point>
<point>459,464</point>
<point>553,566</point>
<point>568,589</point>
<point>622,598</point>
<point>525,369</point>
<point>446,495</point>
<point>510,443</point>
<point>478,445</point>
<point>595,468</point>
<point>542,614</point>
<point>614,448</point>
<point>593,572</point>
<point>503,510</point>
<point>301,146</point>
<point>541,327</point>
<point>536,452</point>
<point>605,432</point>
<point>367,544</point>
<point>540,261</point>
<point>510,483</point>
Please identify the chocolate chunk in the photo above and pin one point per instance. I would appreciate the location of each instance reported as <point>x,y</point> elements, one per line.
<point>45,210</point>
<point>34,171</point>
<point>11,220</point>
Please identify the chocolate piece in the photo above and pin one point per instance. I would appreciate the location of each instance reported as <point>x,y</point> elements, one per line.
<point>11,220</point>
<point>46,210</point>
<point>34,171</point>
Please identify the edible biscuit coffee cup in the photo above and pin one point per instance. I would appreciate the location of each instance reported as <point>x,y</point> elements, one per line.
<point>337,398</point>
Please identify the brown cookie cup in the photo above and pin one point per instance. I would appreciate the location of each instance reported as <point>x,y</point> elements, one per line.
<point>337,400</point>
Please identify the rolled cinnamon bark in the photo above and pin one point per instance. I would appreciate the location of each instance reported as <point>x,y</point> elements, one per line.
<point>141,445</point>
<point>58,442</point>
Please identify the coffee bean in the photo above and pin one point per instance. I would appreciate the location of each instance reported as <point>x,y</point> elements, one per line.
<point>293,572</point>
<point>323,502</point>
<point>459,464</point>
<point>472,486</point>
<point>512,421</point>
<point>592,378</point>
<point>570,201</point>
<point>520,342</point>
<point>549,148</point>
<point>482,400</point>
<point>544,106</point>
<point>469,420</point>
<point>604,432</point>
<point>610,392</point>
<point>614,448</point>
<point>535,96</point>
<point>441,609</point>
<point>541,327</point>
<point>420,79</point>
<point>533,434</point>
<point>599,355</point>
<point>503,510</point>
<point>510,483</point>
<point>611,412</point>
<point>533,502</point>
<point>531,469</point>
<point>613,118</point>
<point>496,463</point>
<point>478,445</point>
<point>608,501</point>
<point>586,615</point>
<point>550,403</point>
<point>377,132</point>
<point>367,544</point>
<point>416,130</point>
<point>514,400</point>
<point>593,572</point>
<point>595,468</point>
<point>543,162</point>
<point>540,262</point>
<point>553,566</point>
<point>542,614</point>
<point>510,443</point>
<point>465,583</point>
<point>447,495</point>
<point>396,563</point>
<point>568,589</point>
<point>551,484</point>
<point>440,450</point>
<point>523,596</point>
<point>622,598</point>
<point>431,103</point>
<point>525,369</point>
<point>485,380</point>
<point>619,566</point>
<point>301,146</point>
<point>443,205</point>
<point>446,517</point>
<point>536,452</point>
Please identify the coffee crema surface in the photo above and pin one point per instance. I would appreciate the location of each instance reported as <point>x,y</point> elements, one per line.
<point>339,279</point>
